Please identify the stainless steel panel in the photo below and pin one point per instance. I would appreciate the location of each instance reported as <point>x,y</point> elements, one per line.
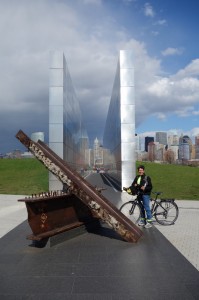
<point>56,114</point>
<point>56,77</point>
<point>66,128</point>
<point>119,131</point>
<point>55,184</point>
<point>56,133</point>
<point>127,134</point>
<point>126,59</point>
<point>127,151</point>
<point>127,112</point>
<point>56,59</point>
<point>128,173</point>
<point>127,77</point>
<point>57,148</point>
<point>56,96</point>
<point>127,95</point>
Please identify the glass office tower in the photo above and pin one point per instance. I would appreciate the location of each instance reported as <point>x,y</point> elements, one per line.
<point>161,137</point>
<point>119,134</point>
<point>67,135</point>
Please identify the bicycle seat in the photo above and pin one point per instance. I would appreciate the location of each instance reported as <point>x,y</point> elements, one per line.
<point>157,193</point>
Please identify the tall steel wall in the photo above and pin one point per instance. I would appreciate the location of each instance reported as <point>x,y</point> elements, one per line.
<point>67,134</point>
<point>119,134</point>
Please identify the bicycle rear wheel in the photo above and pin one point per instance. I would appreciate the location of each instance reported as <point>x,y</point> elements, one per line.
<point>131,210</point>
<point>166,212</point>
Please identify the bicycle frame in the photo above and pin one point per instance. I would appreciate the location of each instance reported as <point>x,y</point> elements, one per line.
<point>165,211</point>
<point>158,202</point>
<point>168,213</point>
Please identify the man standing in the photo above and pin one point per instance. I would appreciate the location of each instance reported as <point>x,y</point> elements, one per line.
<point>143,184</point>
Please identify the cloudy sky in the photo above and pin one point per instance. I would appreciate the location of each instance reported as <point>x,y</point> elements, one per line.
<point>162,34</point>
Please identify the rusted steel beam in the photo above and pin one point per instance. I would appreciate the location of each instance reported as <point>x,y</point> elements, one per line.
<point>99,205</point>
<point>52,213</point>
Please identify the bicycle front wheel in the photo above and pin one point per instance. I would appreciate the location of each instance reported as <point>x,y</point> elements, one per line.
<point>131,210</point>
<point>166,212</point>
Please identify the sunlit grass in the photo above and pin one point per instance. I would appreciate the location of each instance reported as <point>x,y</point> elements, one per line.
<point>175,181</point>
<point>29,176</point>
<point>22,176</point>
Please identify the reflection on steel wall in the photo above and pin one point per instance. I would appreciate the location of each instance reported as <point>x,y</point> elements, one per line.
<point>119,134</point>
<point>67,136</point>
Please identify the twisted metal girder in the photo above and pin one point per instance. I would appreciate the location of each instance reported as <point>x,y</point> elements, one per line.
<point>77,185</point>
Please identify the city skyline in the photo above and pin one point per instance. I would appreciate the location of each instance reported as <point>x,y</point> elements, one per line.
<point>161,148</point>
<point>141,136</point>
<point>169,133</point>
<point>162,36</point>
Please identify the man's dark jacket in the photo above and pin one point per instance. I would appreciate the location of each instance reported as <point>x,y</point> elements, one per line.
<point>145,180</point>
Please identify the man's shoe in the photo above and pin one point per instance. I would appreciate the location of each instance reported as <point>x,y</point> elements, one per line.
<point>148,225</point>
<point>141,223</point>
<point>150,220</point>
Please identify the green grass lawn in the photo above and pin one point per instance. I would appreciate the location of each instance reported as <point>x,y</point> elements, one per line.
<point>22,176</point>
<point>175,181</point>
<point>29,176</point>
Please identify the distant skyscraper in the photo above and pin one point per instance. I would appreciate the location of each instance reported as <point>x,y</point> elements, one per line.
<point>35,136</point>
<point>184,151</point>
<point>161,137</point>
<point>185,147</point>
<point>98,153</point>
<point>151,151</point>
<point>137,142</point>
<point>148,139</point>
<point>173,139</point>
<point>197,146</point>
<point>186,139</point>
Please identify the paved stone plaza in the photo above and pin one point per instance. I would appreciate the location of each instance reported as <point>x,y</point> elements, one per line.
<point>99,265</point>
<point>184,235</point>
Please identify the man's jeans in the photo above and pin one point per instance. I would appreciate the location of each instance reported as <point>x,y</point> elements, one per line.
<point>147,209</point>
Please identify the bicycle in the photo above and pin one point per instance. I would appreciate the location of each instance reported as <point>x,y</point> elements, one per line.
<point>165,211</point>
